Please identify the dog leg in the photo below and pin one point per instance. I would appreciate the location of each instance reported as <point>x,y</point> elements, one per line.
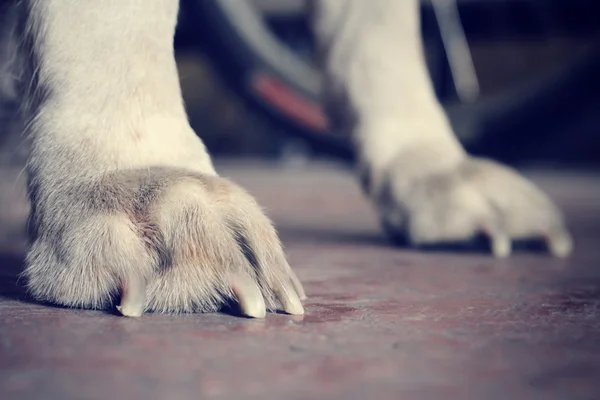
<point>424,185</point>
<point>125,201</point>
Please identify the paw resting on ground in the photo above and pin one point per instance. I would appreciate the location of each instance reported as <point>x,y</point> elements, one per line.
<point>164,240</point>
<point>477,196</point>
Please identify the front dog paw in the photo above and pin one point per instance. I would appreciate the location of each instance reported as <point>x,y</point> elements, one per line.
<point>477,196</point>
<point>163,240</point>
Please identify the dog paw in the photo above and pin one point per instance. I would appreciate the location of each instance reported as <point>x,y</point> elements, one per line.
<point>475,197</point>
<point>162,240</point>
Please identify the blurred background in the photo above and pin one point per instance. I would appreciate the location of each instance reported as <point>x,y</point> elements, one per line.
<point>520,79</point>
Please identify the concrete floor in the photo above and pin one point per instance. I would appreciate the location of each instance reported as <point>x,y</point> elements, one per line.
<point>381,323</point>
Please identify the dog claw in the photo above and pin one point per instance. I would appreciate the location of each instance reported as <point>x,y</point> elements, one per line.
<point>133,297</point>
<point>248,295</point>
<point>289,299</point>
<point>560,244</point>
<point>297,286</point>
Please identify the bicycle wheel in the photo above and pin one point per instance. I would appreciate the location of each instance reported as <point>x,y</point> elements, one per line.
<point>264,48</point>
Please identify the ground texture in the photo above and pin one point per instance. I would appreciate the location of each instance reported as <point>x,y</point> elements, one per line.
<point>380,323</point>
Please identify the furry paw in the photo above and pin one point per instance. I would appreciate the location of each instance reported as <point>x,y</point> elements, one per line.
<point>476,197</point>
<point>163,240</point>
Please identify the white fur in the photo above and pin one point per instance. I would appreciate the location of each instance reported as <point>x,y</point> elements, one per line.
<point>124,196</point>
<point>424,185</point>
<point>115,96</point>
<point>375,65</point>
